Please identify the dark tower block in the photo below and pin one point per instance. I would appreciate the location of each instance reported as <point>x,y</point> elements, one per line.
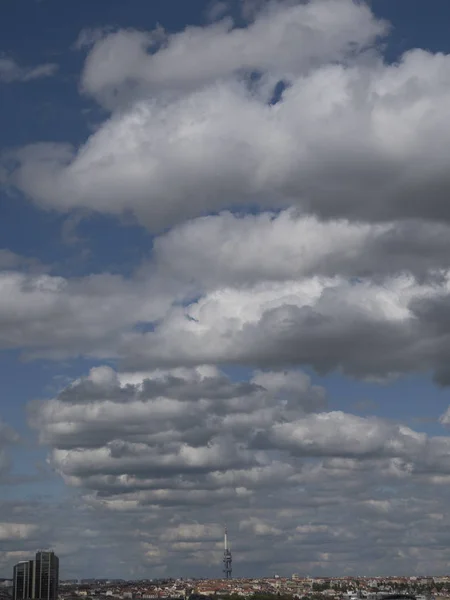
<point>23,580</point>
<point>46,576</point>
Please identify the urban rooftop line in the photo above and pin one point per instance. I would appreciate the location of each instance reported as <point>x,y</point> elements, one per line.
<point>296,586</point>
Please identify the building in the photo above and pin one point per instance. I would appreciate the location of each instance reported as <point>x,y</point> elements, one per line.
<point>37,579</point>
<point>46,576</point>
<point>23,580</point>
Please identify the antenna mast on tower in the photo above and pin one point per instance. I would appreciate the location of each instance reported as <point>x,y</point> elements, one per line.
<point>226,557</point>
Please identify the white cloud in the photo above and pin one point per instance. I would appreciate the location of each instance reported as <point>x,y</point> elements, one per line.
<point>342,435</point>
<point>270,291</point>
<point>259,527</point>
<point>319,321</point>
<point>284,40</point>
<point>152,443</point>
<point>244,250</point>
<point>193,531</point>
<point>62,317</point>
<point>267,308</point>
<point>16,531</point>
<point>363,141</point>
<point>221,124</point>
<point>142,433</point>
<point>11,71</point>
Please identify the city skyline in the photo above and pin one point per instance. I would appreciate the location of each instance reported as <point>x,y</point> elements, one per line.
<point>225,286</point>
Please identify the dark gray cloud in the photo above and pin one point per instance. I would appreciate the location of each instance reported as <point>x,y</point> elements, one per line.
<point>364,329</point>
<point>273,290</point>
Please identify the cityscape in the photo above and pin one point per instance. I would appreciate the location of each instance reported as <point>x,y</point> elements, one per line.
<point>38,579</point>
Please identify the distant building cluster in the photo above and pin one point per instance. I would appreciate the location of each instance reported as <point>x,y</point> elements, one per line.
<point>280,588</point>
<point>37,579</point>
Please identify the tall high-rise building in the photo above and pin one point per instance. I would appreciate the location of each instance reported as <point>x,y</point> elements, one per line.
<point>23,580</point>
<point>46,576</point>
<point>37,579</point>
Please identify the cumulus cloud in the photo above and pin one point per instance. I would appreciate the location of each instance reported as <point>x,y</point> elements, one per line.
<point>289,301</point>
<point>346,436</point>
<point>321,322</point>
<point>291,469</point>
<point>214,111</point>
<point>64,317</point>
<point>362,142</point>
<point>202,402</point>
<point>273,290</point>
<point>130,441</point>
<point>11,71</point>
<point>246,249</point>
<point>193,130</point>
<point>283,40</point>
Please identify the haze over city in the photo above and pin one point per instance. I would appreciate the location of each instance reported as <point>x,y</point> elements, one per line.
<point>224,287</point>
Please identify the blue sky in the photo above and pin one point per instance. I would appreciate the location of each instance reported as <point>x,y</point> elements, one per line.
<point>135,137</point>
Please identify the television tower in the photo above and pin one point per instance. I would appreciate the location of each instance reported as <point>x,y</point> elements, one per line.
<point>226,557</point>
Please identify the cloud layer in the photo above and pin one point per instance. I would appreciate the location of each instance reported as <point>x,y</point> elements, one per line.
<point>265,455</point>
<point>359,140</point>
<point>277,290</point>
<point>295,186</point>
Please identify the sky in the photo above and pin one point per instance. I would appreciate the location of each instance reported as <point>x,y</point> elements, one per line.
<point>225,286</point>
